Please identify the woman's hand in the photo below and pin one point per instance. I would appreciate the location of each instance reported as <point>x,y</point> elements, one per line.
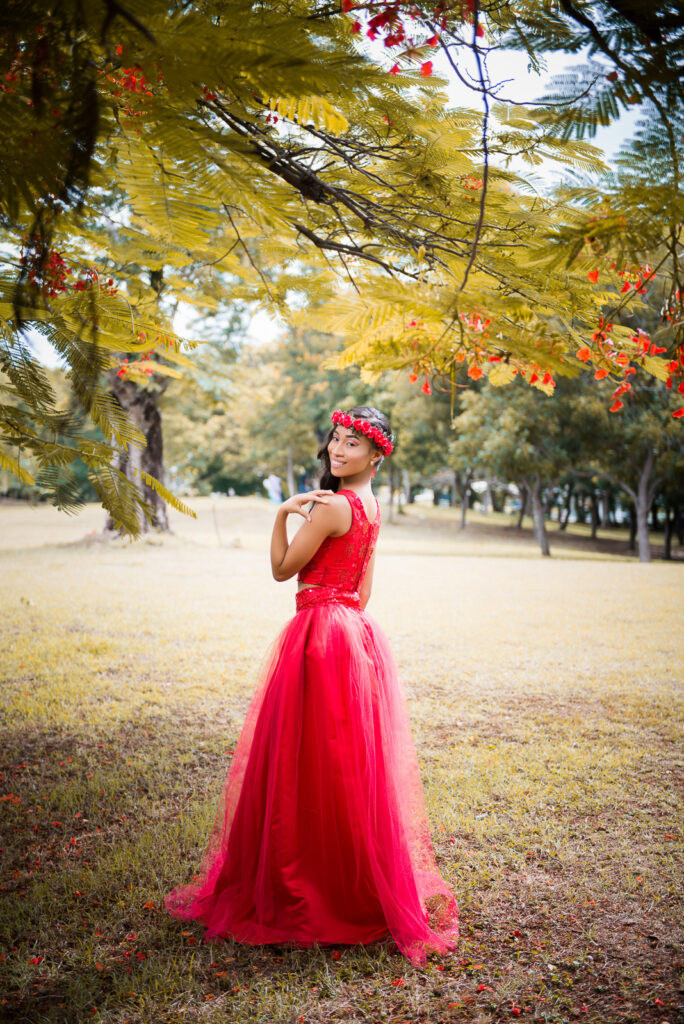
<point>297,502</point>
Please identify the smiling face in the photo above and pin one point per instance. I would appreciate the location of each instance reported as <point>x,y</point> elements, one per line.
<point>351,454</point>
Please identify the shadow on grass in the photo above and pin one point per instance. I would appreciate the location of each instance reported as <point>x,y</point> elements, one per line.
<point>555,835</point>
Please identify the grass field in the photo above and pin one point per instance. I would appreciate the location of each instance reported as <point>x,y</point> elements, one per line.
<point>546,697</point>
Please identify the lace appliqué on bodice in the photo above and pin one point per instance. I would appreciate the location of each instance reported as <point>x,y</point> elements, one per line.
<point>341,562</point>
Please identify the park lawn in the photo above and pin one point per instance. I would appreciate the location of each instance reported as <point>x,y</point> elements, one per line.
<point>546,698</point>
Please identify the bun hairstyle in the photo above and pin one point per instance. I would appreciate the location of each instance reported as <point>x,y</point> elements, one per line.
<point>377,419</point>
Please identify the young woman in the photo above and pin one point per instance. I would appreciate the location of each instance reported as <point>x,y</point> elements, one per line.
<point>322,836</point>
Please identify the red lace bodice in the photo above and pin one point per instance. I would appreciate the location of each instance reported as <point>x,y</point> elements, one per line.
<point>341,562</point>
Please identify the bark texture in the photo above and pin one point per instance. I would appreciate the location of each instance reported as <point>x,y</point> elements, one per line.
<point>142,405</point>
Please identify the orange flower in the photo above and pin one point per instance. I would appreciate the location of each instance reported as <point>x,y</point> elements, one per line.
<point>584,354</point>
<point>426,69</point>
<point>475,372</point>
<point>593,276</point>
<point>616,406</point>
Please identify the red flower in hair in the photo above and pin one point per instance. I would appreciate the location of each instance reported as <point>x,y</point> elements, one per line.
<point>358,425</point>
<point>365,426</point>
<point>346,420</point>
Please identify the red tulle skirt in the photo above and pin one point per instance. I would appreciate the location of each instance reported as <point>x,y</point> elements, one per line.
<point>322,835</point>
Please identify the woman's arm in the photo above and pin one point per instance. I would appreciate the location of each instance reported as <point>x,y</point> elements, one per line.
<point>367,582</point>
<point>330,515</point>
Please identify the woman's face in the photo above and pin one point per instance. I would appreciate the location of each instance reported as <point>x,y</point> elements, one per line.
<point>350,453</point>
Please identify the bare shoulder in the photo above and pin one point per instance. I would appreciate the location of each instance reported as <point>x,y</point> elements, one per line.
<point>335,513</point>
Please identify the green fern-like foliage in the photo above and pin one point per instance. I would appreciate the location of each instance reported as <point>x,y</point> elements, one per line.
<point>207,154</point>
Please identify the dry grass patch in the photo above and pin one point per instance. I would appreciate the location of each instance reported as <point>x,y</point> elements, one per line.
<point>546,699</point>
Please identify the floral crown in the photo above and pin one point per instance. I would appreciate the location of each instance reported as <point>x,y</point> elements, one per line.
<point>374,434</point>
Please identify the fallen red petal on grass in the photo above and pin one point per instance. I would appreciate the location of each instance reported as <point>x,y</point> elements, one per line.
<point>36,960</point>
<point>658,1002</point>
<point>398,982</point>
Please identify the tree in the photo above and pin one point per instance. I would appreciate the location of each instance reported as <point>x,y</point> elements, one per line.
<point>642,454</point>
<point>297,144</point>
<point>518,437</point>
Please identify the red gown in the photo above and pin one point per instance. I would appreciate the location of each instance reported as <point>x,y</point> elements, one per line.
<point>321,835</point>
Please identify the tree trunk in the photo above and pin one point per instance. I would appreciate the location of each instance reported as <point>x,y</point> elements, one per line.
<point>643,504</point>
<point>463,483</point>
<point>487,503</point>
<point>565,514</point>
<point>538,516</point>
<point>632,529</point>
<point>452,490</point>
<point>522,488</point>
<point>594,513</point>
<point>605,509</point>
<point>679,525</point>
<point>142,406</point>
<point>406,483</point>
<point>667,540</point>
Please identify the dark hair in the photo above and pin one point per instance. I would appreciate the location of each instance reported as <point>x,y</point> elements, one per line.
<point>376,419</point>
